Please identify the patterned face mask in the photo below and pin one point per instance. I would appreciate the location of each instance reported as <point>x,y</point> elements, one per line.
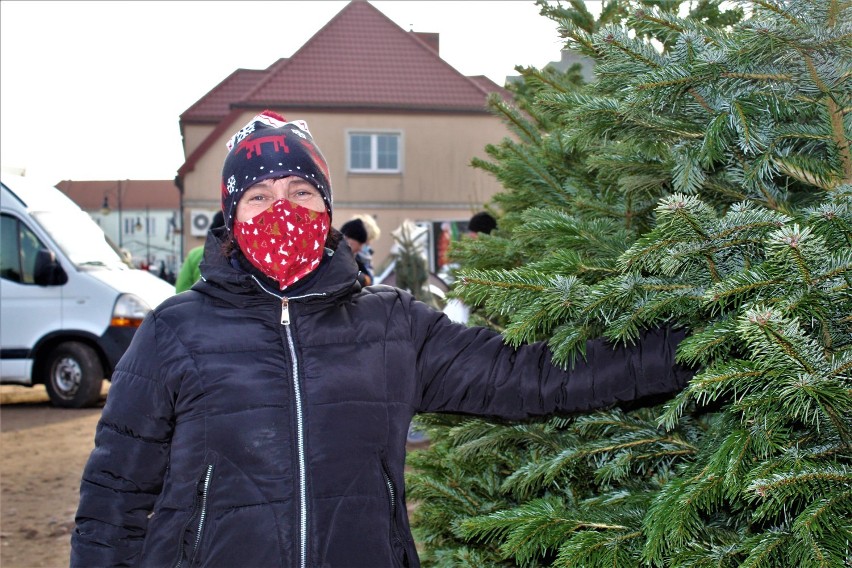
<point>285,242</point>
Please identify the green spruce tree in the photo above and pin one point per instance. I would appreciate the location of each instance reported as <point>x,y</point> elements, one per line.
<point>702,180</point>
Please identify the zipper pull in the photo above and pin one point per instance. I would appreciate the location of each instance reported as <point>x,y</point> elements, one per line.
<point>285,311</point>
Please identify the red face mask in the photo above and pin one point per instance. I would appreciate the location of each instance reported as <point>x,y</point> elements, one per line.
<point>285,242</point>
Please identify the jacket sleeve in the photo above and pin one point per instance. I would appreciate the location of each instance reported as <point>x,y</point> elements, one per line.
<point>472,370</point>
<point>124,473</point>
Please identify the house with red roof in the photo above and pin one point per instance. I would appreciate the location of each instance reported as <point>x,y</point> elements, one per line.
<point>397,124</point>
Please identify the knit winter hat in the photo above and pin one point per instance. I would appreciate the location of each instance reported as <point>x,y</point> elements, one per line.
<point>355,229</point>
<point>270,147</point>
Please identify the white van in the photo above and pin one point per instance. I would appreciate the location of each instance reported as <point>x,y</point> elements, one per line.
<point>68,304</point>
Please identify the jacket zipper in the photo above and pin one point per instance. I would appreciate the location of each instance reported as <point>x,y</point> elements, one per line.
<point>392,496</point>
<point>300,437</point>
<point>203,492</point>
<point>300,433</point>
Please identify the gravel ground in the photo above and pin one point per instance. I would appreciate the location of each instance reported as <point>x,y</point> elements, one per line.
<point>42,454</point>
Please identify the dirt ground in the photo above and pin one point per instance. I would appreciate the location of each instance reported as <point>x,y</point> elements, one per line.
<point>42,454</point>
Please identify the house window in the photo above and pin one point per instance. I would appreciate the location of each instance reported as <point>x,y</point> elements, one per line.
<point>375,152</point>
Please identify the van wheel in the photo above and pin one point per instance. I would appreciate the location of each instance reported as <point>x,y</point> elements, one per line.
<point>75,375</point>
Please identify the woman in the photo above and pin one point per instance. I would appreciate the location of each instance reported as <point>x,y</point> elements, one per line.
<point>260,418</point>
<point>355,233</point>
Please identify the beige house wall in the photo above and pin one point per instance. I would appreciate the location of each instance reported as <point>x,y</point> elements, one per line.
<point>436,182</point>
<point>193,136</point>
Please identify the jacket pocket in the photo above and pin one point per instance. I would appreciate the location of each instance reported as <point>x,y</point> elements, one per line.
<point>397,542</point>
<point>189,544</point>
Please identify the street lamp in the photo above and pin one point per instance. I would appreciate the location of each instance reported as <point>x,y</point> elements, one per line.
<point>147,234</point>
<point>105,210</point>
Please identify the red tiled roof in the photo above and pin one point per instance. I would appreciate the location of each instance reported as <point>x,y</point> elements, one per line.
<point>135,194</point>
<point>433,40</point>
<point>490,86</point>
<point>216,104</point>
<point>359,59</point>
<point>362,59</point>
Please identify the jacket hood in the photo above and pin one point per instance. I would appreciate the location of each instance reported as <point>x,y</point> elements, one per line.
<point>220,278</point>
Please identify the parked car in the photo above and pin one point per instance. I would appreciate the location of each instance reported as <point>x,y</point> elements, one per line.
<point>69,306</point>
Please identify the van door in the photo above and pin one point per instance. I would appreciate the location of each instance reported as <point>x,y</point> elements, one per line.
<point>28,309</point>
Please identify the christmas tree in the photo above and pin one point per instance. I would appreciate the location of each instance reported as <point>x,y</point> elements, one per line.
<point>411,261</point>
<point>704,180</point>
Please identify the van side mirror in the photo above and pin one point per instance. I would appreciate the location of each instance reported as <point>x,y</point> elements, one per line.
<point>47,271</point>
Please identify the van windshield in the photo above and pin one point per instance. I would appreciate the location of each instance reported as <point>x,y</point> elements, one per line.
<point>80,238</point>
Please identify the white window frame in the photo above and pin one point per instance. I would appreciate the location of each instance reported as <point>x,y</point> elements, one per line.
<point>374,136</point>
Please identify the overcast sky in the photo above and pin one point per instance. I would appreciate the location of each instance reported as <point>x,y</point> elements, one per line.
<point>94,90</point>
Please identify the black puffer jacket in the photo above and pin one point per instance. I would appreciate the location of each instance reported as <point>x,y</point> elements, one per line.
<point>243,429</point>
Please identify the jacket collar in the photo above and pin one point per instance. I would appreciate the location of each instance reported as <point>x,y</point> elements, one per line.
<point>335,280</point>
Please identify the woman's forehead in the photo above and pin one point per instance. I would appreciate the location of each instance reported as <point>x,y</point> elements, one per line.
<point>289,180</point>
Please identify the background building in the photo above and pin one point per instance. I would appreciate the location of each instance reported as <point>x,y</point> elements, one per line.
<point>397,124</point>
<point>139,216</point>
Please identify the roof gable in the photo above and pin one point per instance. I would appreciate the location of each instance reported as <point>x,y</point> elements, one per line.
<point>362,59</point>
<point>217,103</point>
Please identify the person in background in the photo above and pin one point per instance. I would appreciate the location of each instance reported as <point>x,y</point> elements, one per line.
<point>165,274</point>
<point>482,222</point>
<point>356,236</point>
<point>442,248</point>
<point>260,418</point>
<point>189,273</point>
<point>365,255</point>
<point>126,257</point>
